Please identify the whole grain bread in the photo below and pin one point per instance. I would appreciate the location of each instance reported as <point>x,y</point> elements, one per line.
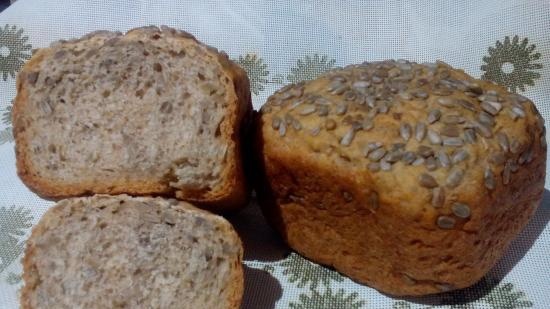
<point>411,178</point>
<point>123,252</point>
<point>153,111</point>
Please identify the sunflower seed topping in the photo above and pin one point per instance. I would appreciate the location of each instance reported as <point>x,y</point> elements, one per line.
<point>418,161</point>
<point>377,154</point>
<point>454,178</point>
<point>408,157</point>
<point>453,141</point>
<point>470,136</point>
<point>434,137</point>
<point>452,119</point>
<point>491,107</point>
<point>518,111</point>
<point>405,131</point>
<point>446,222</point>
<point>394,156</point>
<point>461,210</point>
<point>482,129</point>
<point>431,164</point>
<point>427,181</point>
<point>433,116</point>
<point>425,151</point>
<point>315,131</point>
<point>506,173</point>
<point>275,123</point>
<point>438,197</point>
<point>341,109</point>
<point>466,104</point>
<point>503,142</point>
<point>446,101</point>
<point>443,159</point>
<point>486,119</point>
<point>373,166</point>
<point>420,131</point>
<point>348,137</point>
<point>450,131</point>
<point>385,166</point>
<point>489,179</point>
<point>310,109</point>
<point>282,128</point>
<point>460,155</point>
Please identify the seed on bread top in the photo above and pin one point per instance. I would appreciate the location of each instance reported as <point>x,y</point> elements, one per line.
<point>427,119</point>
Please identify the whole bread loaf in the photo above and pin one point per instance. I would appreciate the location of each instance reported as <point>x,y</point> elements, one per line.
<point>153,111</point>
<point>123,252</point>
<point>411,178</point>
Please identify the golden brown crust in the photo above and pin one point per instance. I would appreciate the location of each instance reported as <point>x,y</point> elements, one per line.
<point>379,227</point>
<point>232,195</point>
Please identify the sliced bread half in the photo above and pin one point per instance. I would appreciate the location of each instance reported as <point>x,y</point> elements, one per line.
<point>123,252</point>
<point>153,111</point>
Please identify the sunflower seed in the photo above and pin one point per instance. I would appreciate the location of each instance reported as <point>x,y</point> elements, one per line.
<point>489,108</point>
<point>282,128</point>
<point>405,96</point>
<point>373,166</point>
<point>339,78</point>
<point>446,101</point>
<point>418,161</point>
<point>452,119</point>
<point>514,167</point>
<point>453,141</point>
<point>297,125</point>
<point>405,131</point>
<point>394,156</point>
<point>349,95</point>
<point>450,131</point>
<point>486,119</point>
<point>361,85</point>
<point>441,92</point>
<point>443,159</point>
<point>348,137</point>
<point>275,123</point>
<point>425,151</point>
<point>371,100</point>
<point>427,181</point>
<point>446,222</point>
<point>460,155</point>
<point>315,131</point>
<point>431,164</point>
<point>382,107</point>
<point>482,129</point>
<point>434,137</point>
<point>420,131</point>
<point>408,157</point>
<point>506,173</point>
<point>367,124</point>
<point>433,116</point>
<point>374,145</point>
<point>377,154</point>
<point>341,109</point>
<point>503,142</point>
<point>421,94</point>
<point>497,158</point>
<point>310,109</point>
<point>438,197</point>
<point>45,106</point>
<point>335,84</point>
<point>466,104</point>
<point>322,110</point>
<point>397,146</point>
<point>454,178</point>
<point>385,166</point>
<point>470,136</point>
<point>489,179</point>
<point>461,210</point>
<point>474,88</point>
<point>518,111</point>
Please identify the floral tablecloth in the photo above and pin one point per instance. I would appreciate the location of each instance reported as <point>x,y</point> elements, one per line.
<point>281,42</point>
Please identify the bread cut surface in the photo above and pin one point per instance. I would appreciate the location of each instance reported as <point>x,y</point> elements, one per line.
<point>123,252</point>
<point>153,111</point>
<point>410,178</point>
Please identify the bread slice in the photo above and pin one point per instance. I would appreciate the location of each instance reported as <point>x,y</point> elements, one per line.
<point>153,111</point>
<point>123,252</point>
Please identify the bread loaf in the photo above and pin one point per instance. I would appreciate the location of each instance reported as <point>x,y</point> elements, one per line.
<point>153,111</point>
<point>122,252</point>
<point>411,178</point>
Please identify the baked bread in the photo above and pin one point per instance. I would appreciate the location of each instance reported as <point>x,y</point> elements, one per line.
<point>123,252</point>
<point>153,111</point>
<point>410,178</point>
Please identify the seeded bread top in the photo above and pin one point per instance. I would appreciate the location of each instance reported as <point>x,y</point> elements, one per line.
<point>410,127</point>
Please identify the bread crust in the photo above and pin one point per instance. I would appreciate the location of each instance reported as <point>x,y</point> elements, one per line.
<point>379,228</point>
<point>53,214</point>
<point>230,195</point>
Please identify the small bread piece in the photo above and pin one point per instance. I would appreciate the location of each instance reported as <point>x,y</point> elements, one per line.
<point>410,178</point>
<point>123,252</point>
<point>151,112</point>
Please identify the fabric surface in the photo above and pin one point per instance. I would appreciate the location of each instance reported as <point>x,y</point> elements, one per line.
<point>281,42</point>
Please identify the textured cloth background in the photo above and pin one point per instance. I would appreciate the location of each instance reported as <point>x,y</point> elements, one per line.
<point>279,42</point>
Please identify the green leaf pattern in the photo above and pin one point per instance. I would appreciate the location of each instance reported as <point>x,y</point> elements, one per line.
<point>14,50</point>
<point>327,300</point>
<point>14,222</point>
